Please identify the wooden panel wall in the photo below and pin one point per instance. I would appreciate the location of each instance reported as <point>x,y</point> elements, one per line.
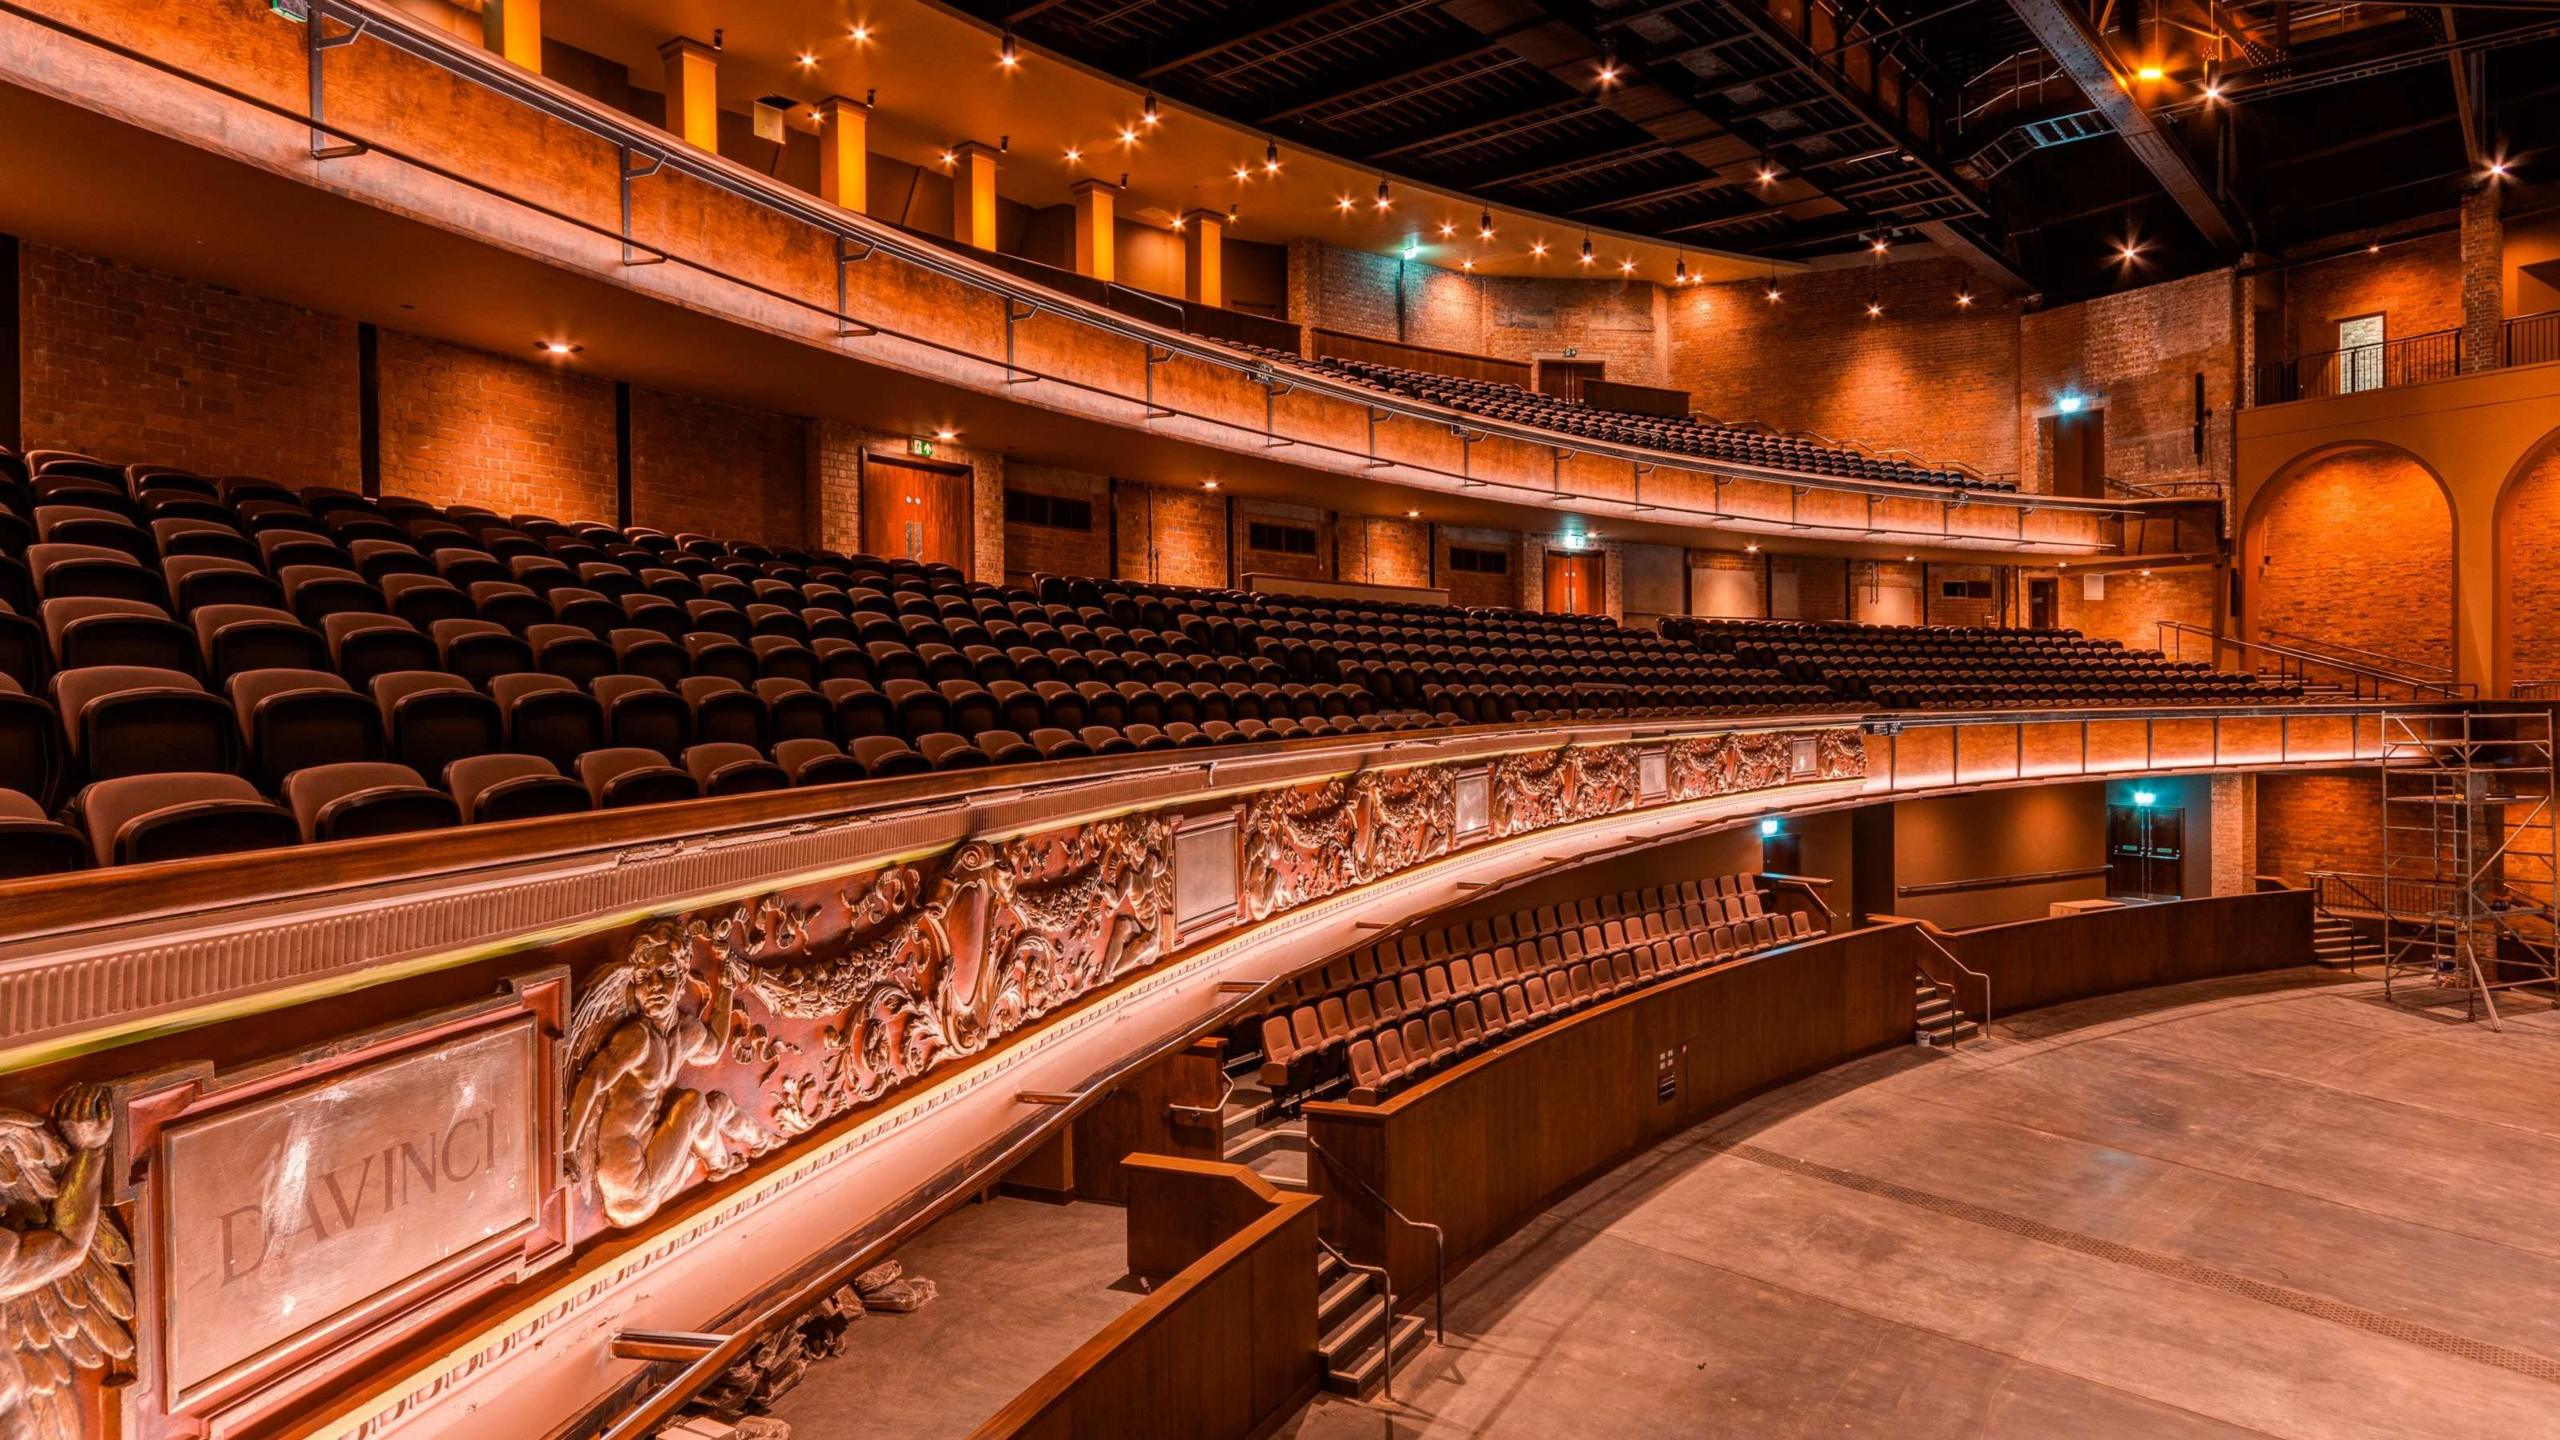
<point>1137,1118</point>
<point>2034,963</point>
<point>1219,1351</point>
<point>1481,1148</point>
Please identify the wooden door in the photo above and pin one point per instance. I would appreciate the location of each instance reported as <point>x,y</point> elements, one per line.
<point>1563,378</point>
<point>1574,583</point>
<point>2078,444</point>
<point>2042,601</point>
<point>914,511</point>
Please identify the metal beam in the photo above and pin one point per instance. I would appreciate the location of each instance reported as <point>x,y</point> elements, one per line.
<point>1202,42</point>
<point>1493,127</point>
<point>2083,55</point>
<point>1390,71</point>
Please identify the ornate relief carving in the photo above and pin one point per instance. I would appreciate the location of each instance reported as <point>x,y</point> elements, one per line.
<point>1556,787</point>
<point>65,1304</point>
<point>1709,765</point>
<point>806,1011</point>
<point>1306,842</point>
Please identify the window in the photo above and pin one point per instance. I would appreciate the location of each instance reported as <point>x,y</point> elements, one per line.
<point>1279,539</point>
<point>1964,589</point>
<point>1479,562</point>
<point>1054,512</point>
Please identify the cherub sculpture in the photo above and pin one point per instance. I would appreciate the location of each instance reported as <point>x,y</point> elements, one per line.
<point>635,1136</point>
<point>65,1306</point>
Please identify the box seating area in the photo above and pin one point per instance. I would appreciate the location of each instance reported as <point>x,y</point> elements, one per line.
<point>1705,439</point>
<point>1398,1010</point>
<point>1915,667</point>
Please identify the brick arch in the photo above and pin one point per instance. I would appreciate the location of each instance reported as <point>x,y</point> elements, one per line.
<point>2526,632</point>
<point>2354,544</point>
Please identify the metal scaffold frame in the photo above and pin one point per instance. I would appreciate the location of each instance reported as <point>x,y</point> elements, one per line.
<point>2471,883</point>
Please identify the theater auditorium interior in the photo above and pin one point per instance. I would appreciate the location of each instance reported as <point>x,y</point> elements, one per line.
<point>1218,719</point>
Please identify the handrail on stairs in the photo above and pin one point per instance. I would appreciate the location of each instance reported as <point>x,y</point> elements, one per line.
<point>2293,662</point>
<point>1387,1336</point>
<point>2316,644</point>
<point>1439,1243</point>
<point>1929,933</point>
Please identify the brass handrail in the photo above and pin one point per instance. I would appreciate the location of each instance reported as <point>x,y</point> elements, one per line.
<point>1387,1330</point>
<point>1439,1240</point>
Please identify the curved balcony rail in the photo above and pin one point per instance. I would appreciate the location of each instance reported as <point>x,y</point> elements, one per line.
<point>1658,486</point>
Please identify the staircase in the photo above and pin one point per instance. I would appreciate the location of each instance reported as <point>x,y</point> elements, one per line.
<point>1940,1024</point>
<point>2338,944</point>
<point>1257,1133</point>
<point>1351,1316</point>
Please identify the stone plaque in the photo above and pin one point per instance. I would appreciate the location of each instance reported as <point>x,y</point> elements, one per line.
<point>290,1210</point>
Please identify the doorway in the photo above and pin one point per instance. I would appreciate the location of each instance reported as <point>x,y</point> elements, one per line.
<point>1564,379</point>
<point>2078,444</point>
<point>2360,347</point>
<point>1574,582</point>
<point>2146,852</point>
<point>2044,601</point>
<point>915,511</point>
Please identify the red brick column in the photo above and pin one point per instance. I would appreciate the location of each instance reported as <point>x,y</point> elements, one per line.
<point>2483,281</point>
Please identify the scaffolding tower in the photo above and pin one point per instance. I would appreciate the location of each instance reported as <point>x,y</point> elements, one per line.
<point>2471,888</point>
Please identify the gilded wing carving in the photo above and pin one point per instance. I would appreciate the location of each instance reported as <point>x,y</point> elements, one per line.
<point>65,1305</point>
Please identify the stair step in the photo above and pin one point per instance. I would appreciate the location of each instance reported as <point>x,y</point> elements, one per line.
<point>1355,1373</point>
<point>1336,1298</point>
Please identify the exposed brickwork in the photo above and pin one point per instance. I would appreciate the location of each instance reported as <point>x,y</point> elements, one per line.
<point>136,365</point>
<point>1821,585</point>
<point>1616,322</point>
<point>518,436</point>
<point>2529,531</point>
<point>2415,285</point>
<point>1172,537</point>
<point>1926,376</point>
<point>2483,280</point>
<point>834,470</point>
<point>1384,550</point>
<point>1046,549</point>
<point>1656,584</point>
<point>834,487</point>
<point>2128,605</point>
<point>718,469</point>
<point>1250,561</point>
<point>2136,355</point>
<point>2356,549</point>
<point>1468,587</point>
<point>2235,834</point>
<point>1940,609</point>
<point>2325,821</point>
<point>1728,583</point>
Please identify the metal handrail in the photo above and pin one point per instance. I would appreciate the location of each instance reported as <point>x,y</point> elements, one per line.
<point>661,152</point>
<point>1439,1240</point>
<point>1226,1092</point>
<point>1812,885</point>
<point>1921,928</point>
<point>2316,643</point>
<point>1386,1331</point>
<point>2417,686</point>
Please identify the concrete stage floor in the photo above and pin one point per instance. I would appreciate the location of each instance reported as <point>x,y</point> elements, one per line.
<point>2266,1206</point>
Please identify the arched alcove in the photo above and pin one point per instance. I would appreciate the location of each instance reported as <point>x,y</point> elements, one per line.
<point>2353,547</point>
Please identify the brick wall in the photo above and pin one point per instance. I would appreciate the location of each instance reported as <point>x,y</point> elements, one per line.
<point>1047,549</point>
<point>1469,587</point>
<point>1727,583</point>
<point>2415,285</point>
<point>2136,356</point>
<point>135,365</point>
<point>1821,585</point>
<point>1942,610</point>
<point>518,436</point>
<point>1384,550</point>
<point>2127,605</point>
<point>2325,821</point>
<point>834,471</point>
<point>719,469</point>
<point>1172,537</point>
<point>1927,376</point>
<point>2356,549</point>
<point>1252,561</point>
<point>2529,533</point>
<point>1616,322</point>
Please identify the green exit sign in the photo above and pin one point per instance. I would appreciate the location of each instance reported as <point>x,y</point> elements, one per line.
<point>921,448</point>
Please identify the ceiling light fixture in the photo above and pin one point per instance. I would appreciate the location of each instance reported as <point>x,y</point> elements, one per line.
<point>1627,266</point>
<point>1343,203</point>
<point>861,33</point>
<point>1271,157</point>
<point>1772,292</point>
<point>1178,223</point>
<point>1752,548</point>
<point>949,159</point>
<point>1149,115</point>
<point>1538,249</point>
<point>1680,270</point>
<point>1074,154</point>
<point>1008,54</point>
<point>1964,298</point>
<point>1875,308</point>
<point>1768,174</point>
<point>1243,174</point>
<point>1413,514</point>
<point>946,434</point>
<point>557,347</point>
<point>1208,484</point>
<point>2151,74</point>
<point>808,58</point>
<point>1467,265</point>
<point>2498,169</point>
<point>1586,249</point>
<point>1880,244</point>
<point>2128,252</point>
<point>1448,228</point>
<point>1128,135</point>
<point>1386,201</point>
<point>1484,226</point>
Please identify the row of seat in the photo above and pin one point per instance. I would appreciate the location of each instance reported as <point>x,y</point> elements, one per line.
<point>1970,667</point>
<point>1592,948</point>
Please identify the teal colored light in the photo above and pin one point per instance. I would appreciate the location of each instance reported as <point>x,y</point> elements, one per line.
<point>2144,797</point>
<point>1769,826</point>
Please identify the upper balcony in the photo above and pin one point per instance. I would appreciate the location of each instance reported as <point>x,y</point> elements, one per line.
<point>497,193</point>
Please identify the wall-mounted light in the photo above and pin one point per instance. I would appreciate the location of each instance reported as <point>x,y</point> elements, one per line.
<point>1768,826</point>
<point>2069,402</point>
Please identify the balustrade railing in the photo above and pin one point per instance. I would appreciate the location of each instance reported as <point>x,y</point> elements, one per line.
<point>2531,339</point>
<point>2383,365</point>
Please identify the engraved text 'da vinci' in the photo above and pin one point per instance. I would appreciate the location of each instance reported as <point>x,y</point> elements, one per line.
<point>713,1040</point>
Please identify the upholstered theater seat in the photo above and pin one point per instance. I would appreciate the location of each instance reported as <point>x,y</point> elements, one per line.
<point>354,800</point>
<point>490,788</point>
<point>136,819</point>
